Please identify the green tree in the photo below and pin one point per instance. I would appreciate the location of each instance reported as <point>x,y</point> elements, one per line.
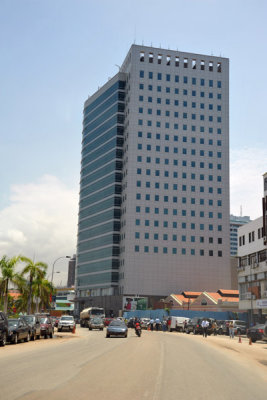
<point>33,270</point>
<point>42,290</point>
<point>7,267</point>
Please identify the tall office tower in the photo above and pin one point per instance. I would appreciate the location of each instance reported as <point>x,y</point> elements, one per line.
<point>71,271</point>
<point>154,196</point>
<point>235,223</point>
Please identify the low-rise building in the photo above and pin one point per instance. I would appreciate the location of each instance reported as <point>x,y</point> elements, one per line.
<point>252,265</point>
<point>222,300</point>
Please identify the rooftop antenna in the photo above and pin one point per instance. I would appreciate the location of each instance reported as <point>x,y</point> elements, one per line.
<point>142,42</point>
<point>160,45</point>
<point>116,65</point>
<point>241,211</point>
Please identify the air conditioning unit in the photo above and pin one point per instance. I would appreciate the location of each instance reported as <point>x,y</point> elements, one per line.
<point>248,296</point>
<point>265,294</point>
<point>255,265</point>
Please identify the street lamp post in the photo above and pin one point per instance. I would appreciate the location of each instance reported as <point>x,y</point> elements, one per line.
<point>54,265</point>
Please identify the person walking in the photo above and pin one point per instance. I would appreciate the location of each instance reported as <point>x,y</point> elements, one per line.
<point>214,328</point>
<point>164,325</point>
<point>231,330</point>
<point>157,322</point>
<point>205,325</point>
<point>151,322</point>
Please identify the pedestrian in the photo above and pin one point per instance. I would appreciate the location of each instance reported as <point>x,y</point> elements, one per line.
<point>157,322</point>
<point>205,325</point>
<point>231,330</point>
<point>185,325</point>
<point>164,325</point>
<point>214,328</point>
<point>151,322</point>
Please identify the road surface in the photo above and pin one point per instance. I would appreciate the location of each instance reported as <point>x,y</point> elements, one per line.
<point>156,366</point>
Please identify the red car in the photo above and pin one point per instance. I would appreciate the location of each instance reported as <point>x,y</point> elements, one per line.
<point>107,321</point>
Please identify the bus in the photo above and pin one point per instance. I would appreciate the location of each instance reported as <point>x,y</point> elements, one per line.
<point>89,313</point>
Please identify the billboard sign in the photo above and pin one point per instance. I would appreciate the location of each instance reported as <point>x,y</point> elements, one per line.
<point>134,303</point>
<point>261,303</point>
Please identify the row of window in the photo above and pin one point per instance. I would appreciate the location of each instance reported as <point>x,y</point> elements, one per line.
<point>159,136</point>
<point>184,115</point>
<point>183,225</point>
<point>174,238</point>
<point>184,151</point>
<point>175,61</point>
<point>158,100</point>
<point>210,202</point>
<point>176,126</point>
<point>183,175</point>
<point>251,237</point>
<point>159,89</point>
<point>176,78</point>
<point>175,162</point>
<point>184,188</point>
<point>147,210</point>
<point>174,250</point>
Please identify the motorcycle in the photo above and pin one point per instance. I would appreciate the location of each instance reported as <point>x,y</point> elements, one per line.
<point>138,330</point>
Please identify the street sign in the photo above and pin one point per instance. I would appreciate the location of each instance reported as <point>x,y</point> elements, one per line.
<point>261,303</point>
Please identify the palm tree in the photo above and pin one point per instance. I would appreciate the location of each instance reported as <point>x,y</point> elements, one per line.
<point>33,269</point>
<point>7,267</point>
<point>42,290</point>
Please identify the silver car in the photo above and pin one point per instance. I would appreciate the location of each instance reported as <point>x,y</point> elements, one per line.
<point>96,323</point>
<point>66,322</point>
<point>117,328</point>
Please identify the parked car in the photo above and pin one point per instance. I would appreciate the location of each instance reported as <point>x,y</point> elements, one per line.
<point>240,327</point>
<point>256,332</point>
<point>177,323</point>
<point>66,322</point>
<point>220,324</point>
<point>96,323</point>
<point>265,331</point>
<point>144,322</point>
<point>194,325</point>
<point>18,330</point>
<point>34,322</point>
<point>46,326</point>
<point>117,328</point>
<point>3,328</point>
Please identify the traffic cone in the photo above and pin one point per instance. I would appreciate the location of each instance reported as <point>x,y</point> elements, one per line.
<point>250,341</point>
<point>74,329</point>
<point>239,340</point>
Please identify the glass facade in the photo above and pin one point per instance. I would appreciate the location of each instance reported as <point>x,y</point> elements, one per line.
<point>100,190</point>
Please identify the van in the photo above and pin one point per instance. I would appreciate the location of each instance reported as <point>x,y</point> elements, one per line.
<point>177,323</point>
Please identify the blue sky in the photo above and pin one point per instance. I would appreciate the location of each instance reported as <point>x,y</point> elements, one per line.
<point>55,53</point>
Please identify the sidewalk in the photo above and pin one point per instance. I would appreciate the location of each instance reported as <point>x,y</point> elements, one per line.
<point>255,353</point>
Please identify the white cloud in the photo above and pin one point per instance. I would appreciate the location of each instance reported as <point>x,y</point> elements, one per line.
<point>247,166</point>
<point>41,223</point>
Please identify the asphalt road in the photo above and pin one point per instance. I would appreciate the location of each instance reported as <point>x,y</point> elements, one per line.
<point>156,366</point>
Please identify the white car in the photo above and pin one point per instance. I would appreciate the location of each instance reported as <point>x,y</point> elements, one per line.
<point>66,322</point>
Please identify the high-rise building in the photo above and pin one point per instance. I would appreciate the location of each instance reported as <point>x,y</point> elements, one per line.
<point>71,271</point>
<point>154,194</point>
<point>235,223</point>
